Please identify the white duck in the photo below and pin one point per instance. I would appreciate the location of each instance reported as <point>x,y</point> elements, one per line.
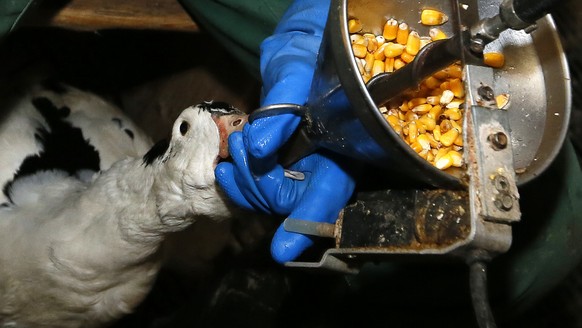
<point>83,214</point>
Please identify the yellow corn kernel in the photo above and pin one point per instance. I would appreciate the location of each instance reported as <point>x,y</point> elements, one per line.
<point>416,146</point>
<point>456,126</point>
<point>404,107</point>
<point>441,152</point>
<point>410,116</point>
<point>424,141</point>
<point>360,50</point>
<point>436,33</point>
<point>453,114</point>
<point>367,77</point>
<point>433,143</point>
<point>445,126</point>
<point>360,65</point>
<point>389,65</point>
<point>432,82</point>
<point>454,71</point>
<point>436,133</point>
<point>413,43</point>
<point>379,53</point>
<point>412,132</point>
<point>372,45</point>
<point>447,97</point>
<point>427,121</point>
<point>457,88</point>
<point>441,75</point>
<point>433,100</point>
<point>435,111</point>
<point>398,63</point>
<point>354,25</point>
<point>378,67</point>
<point>433,17</point>
<point>422,109</point>
<point>455,103</point>
<point>456,158</point>
<point>380,40</point>
<point>393,121</point>
<point>390,29</point>
<point>369,63</point>
<point>424,40</point>
<point>406,57</point>
<point>358,39</point>
<point>502,100</point>
<point>444,162</point>
<point>393,50</point>
<point>430,157</point>
<point>402,115</point>
<point>416,101</point>
<point>459,141</point>
<point>494,59</point>
<point>402,34</point>
<point>449,137</point>
<point>445,85</point>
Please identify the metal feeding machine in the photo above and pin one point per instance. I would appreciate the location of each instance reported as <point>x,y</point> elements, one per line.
<point>464,212</point>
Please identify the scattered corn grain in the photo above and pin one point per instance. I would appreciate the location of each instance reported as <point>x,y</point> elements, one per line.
<point>433,17</point>
<point>354,25</point>
<point>494,59</point>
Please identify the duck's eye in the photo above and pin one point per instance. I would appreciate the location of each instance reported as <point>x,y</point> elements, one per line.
<point>184,126</point>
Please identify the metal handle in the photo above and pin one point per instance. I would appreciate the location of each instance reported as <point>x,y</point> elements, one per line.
<point>299,144</point>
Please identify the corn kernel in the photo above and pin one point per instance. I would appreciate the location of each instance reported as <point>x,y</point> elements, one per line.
<point>456,157</point>
<point>432,82</point>
<point>379,53</point>
<point>398,63</point>
<point>427,121</point>
<point>404,106</point>
<point>435,111</point>
<point>454,71</point>
<point>424,141</point>
<point>393,120</point>
<point>494,59</point>
<point>412,132</point>
<point>441,152</point>
<point>389,65</point>
<point>449,137</point>
<point>413,43</point>
<point>433,100</point>
<point>402,34</point>
<point>447,97</point>
<point>436,133</point>
<point>406,57</point>
<point>458,141</point>
<point>422,109</point>
<point>433,17</point>
<point>354,25</point>
<point>424,40</point>
<point>369,63</point>
<point>436,34</point>
<point>378,67</point>
<point>416,101</point>
<point>393,50</point>
<point>444,162</point>
<point>457,88</point>
<point>380,40</point>
<point>502,100</point>
<point>390,29</point>
<point>358,39</point>
<point>456,126</point>
<point>360,50</point>
<point>455,104</point>
<point>453,114</point>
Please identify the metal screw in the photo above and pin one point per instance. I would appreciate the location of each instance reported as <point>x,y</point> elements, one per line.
<point>498,140</point>
<point>501,183</point>
<point>477,45</point>
<point>486,93</point>
<point>503,201</point>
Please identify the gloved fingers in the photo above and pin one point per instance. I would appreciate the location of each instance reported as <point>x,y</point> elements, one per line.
<point>242,175</point>
<point>266,135</point>
<point>224,173</point>
<point>287,246</point>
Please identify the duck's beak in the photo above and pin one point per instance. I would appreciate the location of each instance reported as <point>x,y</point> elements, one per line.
<point>227,124</point>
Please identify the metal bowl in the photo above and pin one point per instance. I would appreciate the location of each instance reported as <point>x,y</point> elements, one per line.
<point>344,118</point>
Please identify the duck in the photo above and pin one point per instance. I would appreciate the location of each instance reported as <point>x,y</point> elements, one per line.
<point>88,199</point>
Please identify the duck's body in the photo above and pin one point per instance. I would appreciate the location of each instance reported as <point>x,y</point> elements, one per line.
<point>81,236</point>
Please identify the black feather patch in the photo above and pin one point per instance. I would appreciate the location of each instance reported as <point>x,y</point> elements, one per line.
<point>219,107</point>
<point>64,147</point>
<point>156,152</point>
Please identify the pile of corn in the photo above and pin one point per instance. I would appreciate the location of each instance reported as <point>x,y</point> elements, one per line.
<point>430,119</point>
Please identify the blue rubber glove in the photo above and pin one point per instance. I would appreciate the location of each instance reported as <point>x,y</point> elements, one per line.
<point>254,180</point>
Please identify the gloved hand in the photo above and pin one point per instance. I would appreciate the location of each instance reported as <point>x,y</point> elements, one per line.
<point>254,179</point>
